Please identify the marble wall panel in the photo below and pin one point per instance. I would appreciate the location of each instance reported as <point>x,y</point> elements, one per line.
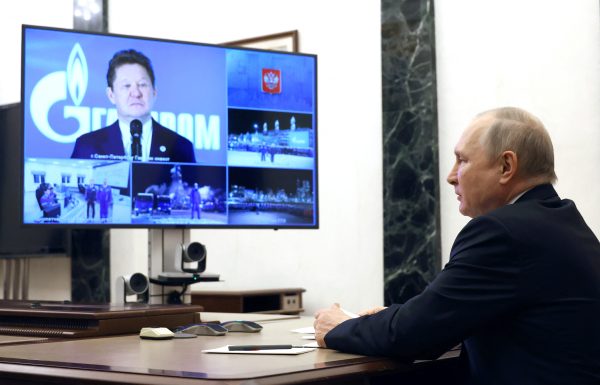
<point>410,148</point>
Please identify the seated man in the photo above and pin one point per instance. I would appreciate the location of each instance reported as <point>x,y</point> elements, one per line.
<point>522,288</point>
<point>49,203</point>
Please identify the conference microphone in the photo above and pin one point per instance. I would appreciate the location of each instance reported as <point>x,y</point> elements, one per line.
<point>135,127</point>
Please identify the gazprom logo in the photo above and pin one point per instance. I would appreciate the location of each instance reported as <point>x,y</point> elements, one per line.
<point>52,89</point>
<point>77,74</point>
<point>62,86</point>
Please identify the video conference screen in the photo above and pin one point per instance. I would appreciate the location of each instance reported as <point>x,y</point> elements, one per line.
<point>125,131</point>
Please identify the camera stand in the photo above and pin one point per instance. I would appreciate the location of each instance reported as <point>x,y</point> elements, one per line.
<point>171,266</point>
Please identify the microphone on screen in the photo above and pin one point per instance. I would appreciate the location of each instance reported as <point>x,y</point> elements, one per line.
<point>135,127</point>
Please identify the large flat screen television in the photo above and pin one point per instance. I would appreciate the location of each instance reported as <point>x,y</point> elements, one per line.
<point>125,131</point>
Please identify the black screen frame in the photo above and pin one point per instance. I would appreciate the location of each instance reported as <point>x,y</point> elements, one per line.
<point>15,239</point>
<point>316,198</point>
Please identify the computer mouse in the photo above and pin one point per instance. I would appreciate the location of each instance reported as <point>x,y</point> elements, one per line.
<point>203,329</point>
<point>242,326</point>
<point>184,335</point>
<point>156,333</point>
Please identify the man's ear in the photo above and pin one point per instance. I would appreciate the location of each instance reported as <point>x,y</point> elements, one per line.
<point>109,94</point>
<point>508,166</point>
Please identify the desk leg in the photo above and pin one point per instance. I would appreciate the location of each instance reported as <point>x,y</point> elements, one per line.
<point>25,279</point>
<point>6,278</point>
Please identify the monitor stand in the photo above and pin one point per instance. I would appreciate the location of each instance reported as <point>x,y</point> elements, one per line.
<point>165,266</point>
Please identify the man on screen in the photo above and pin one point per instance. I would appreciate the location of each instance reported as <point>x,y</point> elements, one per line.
<point>195,201</point>
<point>135,134</point>
<point>105,200</point>
<point>91,194</point>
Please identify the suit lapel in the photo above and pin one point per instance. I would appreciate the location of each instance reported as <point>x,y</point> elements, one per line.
<point>113,141</point>
<point>159,146</point>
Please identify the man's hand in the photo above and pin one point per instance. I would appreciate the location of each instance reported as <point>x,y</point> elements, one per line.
<point>372,311</point>
<point>327,319</point>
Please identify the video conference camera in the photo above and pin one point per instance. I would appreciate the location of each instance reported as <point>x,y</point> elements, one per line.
<point>195,252</point>
<point>135,284</point>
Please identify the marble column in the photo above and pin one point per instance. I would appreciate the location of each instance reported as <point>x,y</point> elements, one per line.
<point>410,148</point>
<point>90,248</point>
<point>90,265</point>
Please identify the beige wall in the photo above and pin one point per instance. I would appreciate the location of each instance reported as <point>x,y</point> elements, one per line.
<point>55,13</point>
<point>50,277</point>
<point>538,54</point>
<point>347,251</point>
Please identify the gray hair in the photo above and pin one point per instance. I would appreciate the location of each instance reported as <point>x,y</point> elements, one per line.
<point>514,129</point>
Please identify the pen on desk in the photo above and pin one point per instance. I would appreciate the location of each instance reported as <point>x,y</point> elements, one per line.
<point>261,347</point>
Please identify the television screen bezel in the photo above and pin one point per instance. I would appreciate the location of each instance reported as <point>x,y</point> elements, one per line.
<point>316,215</point>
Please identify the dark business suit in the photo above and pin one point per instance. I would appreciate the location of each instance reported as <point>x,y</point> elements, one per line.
<point>521,292</point>
<point>167,146</point>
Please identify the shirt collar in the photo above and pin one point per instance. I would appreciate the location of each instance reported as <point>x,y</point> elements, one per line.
<point>517,197</point>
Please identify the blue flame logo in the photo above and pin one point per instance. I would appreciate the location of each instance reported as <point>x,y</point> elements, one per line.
<point>52,89</point>
<point>77,74</point>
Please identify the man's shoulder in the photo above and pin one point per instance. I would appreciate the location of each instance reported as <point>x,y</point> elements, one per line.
<point>538,209</point>
<point>164,132</point>
<point>516,214</point>
<point>496,224</point>
<point>168,143</point>
<point>100,133</point>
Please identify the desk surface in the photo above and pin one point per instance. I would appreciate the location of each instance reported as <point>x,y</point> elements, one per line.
<point>129,359</point>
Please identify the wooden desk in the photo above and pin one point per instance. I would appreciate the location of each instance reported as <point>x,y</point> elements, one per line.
<point>131,360</point>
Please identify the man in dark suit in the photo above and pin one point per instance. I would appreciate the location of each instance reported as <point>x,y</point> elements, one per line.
<point>91,194</point>
<point>522,288</point>
<point>195,201</point>
<point>131,88</point>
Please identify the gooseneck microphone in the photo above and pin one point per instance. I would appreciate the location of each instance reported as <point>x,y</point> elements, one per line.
<point>135,127</point>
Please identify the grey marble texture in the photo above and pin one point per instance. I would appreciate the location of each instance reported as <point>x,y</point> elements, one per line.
<point>90,249</point>
<point>90,266</point>
<point>410,148</point>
